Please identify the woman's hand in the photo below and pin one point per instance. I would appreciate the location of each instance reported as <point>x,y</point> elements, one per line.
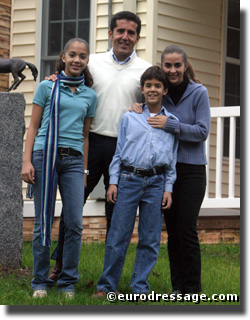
<point>158,121</point>
<point>166,200</point>
<point>137,107</point>
<point>112,193</point>
<point>28,173</point>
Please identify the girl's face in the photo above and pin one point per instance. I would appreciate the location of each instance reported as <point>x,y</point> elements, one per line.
<point>174,67</point>
<point>76,59</point>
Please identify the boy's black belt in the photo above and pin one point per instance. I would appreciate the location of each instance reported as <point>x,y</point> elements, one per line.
<point>65,151</point>
<point>144,172</point>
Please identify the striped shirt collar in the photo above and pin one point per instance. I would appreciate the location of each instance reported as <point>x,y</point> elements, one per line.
<point>121,62</point>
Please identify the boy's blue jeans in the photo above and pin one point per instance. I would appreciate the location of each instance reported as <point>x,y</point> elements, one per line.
<point>134,191</point>
<point>70,178</point>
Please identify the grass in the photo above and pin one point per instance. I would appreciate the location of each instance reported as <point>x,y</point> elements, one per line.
<point>220,275</point>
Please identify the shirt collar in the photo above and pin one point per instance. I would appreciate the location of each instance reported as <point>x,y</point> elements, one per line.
<point>121,62</point>
<point>79,88</point>
<point>162,111</point>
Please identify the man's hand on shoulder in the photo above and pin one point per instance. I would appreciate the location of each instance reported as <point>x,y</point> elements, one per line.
<point>137,107</point>
<point>52,77</point>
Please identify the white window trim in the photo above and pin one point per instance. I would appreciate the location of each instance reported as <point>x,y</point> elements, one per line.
<point>92,27</point>
<point>92,33</point>
<point>39,36</point>
<point>224,51</point>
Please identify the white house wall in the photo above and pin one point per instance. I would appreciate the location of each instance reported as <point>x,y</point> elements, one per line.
<point>194,24</point>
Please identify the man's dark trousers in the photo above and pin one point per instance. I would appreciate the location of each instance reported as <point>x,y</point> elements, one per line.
<point>101,151</point>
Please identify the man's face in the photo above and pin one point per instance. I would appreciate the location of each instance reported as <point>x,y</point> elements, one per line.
<point>124,37</point>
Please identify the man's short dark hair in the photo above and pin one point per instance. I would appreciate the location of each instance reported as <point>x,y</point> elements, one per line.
<point>154,72</point>
<point>127,15</point>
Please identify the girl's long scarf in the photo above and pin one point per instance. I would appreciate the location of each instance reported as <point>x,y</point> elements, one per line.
<point>49,158</point>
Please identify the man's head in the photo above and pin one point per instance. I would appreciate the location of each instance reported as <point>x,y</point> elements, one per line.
<point>153,85</point>
<point>126,15</point>
<point>124,32</point>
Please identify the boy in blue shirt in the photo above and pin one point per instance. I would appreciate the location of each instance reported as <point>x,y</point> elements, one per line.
<point>142,173</point>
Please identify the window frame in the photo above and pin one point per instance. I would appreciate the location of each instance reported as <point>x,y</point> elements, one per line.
<point>44,34</point>
<point>225,60</point>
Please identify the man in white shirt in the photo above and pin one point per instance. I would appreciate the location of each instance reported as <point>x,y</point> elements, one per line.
<point>116,75</point>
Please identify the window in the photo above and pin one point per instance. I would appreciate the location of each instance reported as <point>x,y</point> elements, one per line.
<point>232,71</point>
<point>62,20</point>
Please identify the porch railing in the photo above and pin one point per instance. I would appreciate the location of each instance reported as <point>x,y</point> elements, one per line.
<point>219,113</point>
<point>96,208</point>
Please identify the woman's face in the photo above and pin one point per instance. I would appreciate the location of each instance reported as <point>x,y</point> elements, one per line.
<point>174,67</point>
<point>76,59</point>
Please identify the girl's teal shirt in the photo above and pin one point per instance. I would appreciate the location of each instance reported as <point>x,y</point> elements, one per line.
<point>74,108</point>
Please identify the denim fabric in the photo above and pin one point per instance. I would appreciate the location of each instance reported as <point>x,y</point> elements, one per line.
<point>70,178</point>
<point>134,191</point>
<point>181,222</point>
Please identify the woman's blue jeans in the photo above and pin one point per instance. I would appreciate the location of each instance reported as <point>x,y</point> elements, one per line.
<point>134,191</point>
<point>70,179</point>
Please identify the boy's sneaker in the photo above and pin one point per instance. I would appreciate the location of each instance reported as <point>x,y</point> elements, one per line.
<point>39,293</point>
<point>69,295</point>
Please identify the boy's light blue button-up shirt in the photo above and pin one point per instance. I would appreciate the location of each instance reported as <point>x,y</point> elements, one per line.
<point>142,146</point>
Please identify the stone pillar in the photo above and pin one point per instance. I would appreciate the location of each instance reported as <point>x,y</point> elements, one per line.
<point>12,128</point>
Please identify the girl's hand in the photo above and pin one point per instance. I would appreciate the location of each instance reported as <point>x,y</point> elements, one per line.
<point>28,173</point>
<point>158,121</point>
<point>166,200</point>
<point>112,193</point>
<point>137,107</point>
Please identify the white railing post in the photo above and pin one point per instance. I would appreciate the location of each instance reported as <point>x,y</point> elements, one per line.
<point>208,164</point>
<point>219,150</point>
<point>231,186</point>
<point>230,201</point>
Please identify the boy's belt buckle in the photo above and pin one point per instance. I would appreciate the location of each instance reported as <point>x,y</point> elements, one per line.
<point>139,172</point>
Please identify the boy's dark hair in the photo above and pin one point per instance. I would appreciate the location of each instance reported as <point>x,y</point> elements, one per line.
<point>127,15</point>
<point>154,72</point>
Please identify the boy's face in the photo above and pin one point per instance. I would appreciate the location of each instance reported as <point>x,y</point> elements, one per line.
<point>153,90</point>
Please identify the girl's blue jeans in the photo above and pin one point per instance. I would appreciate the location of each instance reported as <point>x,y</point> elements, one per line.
<point>70,179</point>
